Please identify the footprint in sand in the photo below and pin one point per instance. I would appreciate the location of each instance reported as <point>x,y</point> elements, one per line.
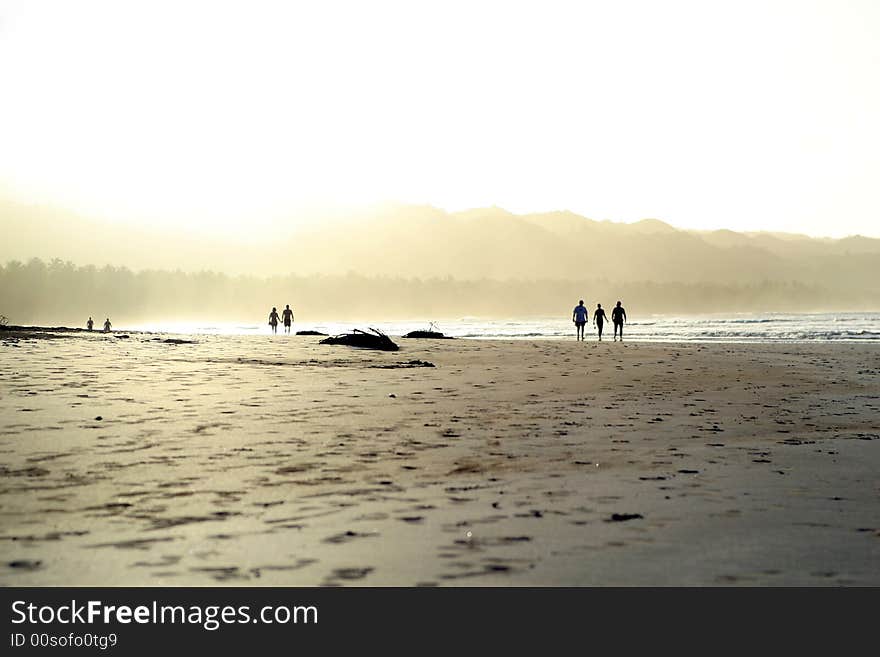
<point>351,573</point>
<point>345,537</point>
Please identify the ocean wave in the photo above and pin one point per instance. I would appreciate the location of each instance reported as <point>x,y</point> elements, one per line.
<point>510,335</point>
<point>770,336</point>
<point>738,321</point>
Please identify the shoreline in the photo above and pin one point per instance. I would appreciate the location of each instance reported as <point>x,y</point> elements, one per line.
<point>37,332</point>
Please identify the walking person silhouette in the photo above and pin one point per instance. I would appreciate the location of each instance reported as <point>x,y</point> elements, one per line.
<point>273,320</point>
<point>579,317</point>
<point>599,317</point>
<point>287,315</point>
<point>618,317</point>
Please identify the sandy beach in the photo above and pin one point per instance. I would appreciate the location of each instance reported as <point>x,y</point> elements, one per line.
<point>280,461</point>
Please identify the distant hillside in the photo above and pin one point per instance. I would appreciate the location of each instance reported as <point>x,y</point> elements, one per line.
<point>424,242</point>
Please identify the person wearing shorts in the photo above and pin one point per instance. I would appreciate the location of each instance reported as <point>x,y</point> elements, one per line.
<point>618,317</point>
<point>287,317</point>
<point>579,317</point>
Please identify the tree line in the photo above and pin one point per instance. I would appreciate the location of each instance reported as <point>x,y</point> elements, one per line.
<point>60,292</point>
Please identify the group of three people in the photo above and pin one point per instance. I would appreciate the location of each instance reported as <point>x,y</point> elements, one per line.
<point>286,317</point>
<point>580,314</point>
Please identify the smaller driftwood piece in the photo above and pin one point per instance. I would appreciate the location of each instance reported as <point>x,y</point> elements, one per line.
<point>363,339</point>
<point>434,335</point>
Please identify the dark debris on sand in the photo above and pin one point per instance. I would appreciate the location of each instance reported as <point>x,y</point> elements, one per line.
<point>622,517</point>
<point>11,328</point>
<point>433,335</point>
<point>310,333</point>
<point>364,340</point>
<point>35,332</point>
<point>13,332</point>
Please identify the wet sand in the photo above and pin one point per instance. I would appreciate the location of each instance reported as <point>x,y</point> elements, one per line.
<point>280,461</point>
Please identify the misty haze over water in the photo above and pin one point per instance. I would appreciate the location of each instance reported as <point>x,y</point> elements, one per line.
<point>399,262</point>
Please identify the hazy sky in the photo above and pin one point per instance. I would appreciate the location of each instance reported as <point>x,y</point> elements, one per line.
<point>740,114</point>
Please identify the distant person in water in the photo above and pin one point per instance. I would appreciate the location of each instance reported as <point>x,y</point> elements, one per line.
<point>618,317</point>
<point>287,315</point>
<point>90,324</point>
<point>599,318</point>
<point>107,325</point>
<point>579,317</point>
<point>273,320</point>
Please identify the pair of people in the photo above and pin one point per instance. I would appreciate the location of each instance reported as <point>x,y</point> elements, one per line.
<point>91,324</point>
<point>580,314</point>
<point>286,317</point>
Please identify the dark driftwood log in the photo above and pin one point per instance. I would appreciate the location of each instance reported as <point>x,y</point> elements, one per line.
<point>364,340</point>
<point>310,333</point>
<point>40,329</point>
<point>14,332</point>
<point>428,334</point>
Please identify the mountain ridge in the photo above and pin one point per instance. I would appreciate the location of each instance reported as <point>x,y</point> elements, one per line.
<point>423,241</point>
